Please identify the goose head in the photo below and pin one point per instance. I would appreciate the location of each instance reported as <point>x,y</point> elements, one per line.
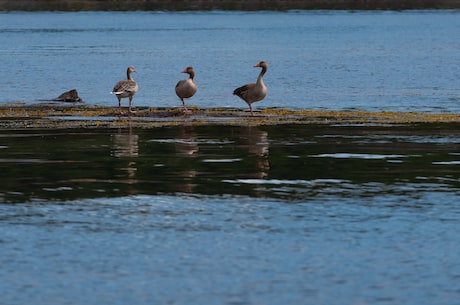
<point>262,64</point>
<point>131,69</point>
<point>190,71</point>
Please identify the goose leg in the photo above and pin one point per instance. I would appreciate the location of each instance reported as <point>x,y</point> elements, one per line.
<point>130,103</point>
<point>185,107</point>
<point>119,105</point>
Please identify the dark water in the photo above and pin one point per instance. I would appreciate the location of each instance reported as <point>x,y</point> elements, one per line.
<point>281,162</point>
<point>231,215</point>
<point>334,60</point>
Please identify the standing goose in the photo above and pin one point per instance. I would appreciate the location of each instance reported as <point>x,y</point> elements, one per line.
<point>254,92</point>
<point>126,88</point>
<point>186,88</point>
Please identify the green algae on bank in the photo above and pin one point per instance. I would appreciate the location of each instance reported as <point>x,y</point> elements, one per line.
<point>78,116</point>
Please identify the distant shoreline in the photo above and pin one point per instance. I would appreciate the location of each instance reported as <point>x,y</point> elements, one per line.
<point>240,5</point>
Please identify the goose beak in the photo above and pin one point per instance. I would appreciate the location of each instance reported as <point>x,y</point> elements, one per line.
<point>257,65</point>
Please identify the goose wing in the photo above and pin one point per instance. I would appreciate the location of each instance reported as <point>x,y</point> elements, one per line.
<point>125,86</point>
<point>244,91</point>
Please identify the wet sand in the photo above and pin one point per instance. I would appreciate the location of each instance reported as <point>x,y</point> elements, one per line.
<point>60,115</point>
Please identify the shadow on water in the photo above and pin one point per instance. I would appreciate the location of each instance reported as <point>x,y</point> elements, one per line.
<point>289,162</point>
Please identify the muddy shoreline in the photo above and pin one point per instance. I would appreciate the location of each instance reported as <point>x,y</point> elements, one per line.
<point>251,5</point>
<point>57,115</point>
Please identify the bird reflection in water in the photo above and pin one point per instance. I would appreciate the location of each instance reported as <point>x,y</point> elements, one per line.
<point>186,148</point>
<point>257,141</point>
<point>126,145</point>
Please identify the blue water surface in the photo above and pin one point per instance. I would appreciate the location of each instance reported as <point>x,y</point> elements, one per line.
<point>389,61</point>
<point>210,250</point>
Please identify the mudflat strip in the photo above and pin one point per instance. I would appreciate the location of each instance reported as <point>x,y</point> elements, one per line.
<point>86,116</point>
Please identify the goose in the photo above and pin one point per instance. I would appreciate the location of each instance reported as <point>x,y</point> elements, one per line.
<point>254,92</point>
<point>126,88</point>
<point>186,88</point>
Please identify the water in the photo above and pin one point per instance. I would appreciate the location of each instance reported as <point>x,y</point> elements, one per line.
<point>231,215</point>
<point>287,214</point>
<point>330,60</point>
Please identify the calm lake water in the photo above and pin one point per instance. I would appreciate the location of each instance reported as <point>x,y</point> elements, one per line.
<point>287,214</point>
<point>332,60</point>
<point>231,215</point>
